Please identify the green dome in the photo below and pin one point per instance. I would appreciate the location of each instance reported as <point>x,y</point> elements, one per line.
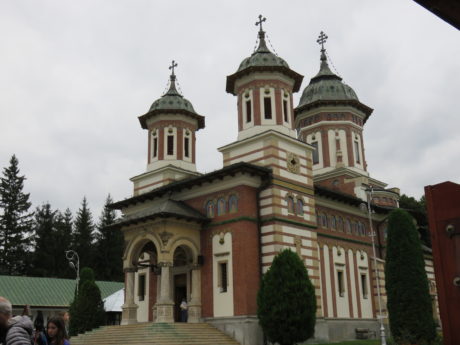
<point>326,86</point>
<point>262,57</point>
<point>172,100</point>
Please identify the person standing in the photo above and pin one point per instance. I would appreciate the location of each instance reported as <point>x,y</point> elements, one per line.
<point>183,311</point>
<point>16,330</point>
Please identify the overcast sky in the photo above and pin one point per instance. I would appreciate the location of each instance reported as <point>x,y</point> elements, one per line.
<point>75,75</point>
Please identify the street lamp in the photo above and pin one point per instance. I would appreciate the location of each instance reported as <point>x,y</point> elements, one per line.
<point>74,263</point>
<point>372,234</point>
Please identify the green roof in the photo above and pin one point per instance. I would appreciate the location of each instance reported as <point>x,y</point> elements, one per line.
<point>46,292</point>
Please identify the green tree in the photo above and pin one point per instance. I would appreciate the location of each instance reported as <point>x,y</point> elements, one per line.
<point>15,221</point>
<point>109,246</point>
<point>87,309</point>
<point>44,256</point>
<point>409,303</point>
<point>63,242</point>
<point>417,209</point>
<point>83,235</point>
<point>286,302</point>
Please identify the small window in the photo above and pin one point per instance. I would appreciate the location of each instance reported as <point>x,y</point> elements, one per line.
<point>268,108</point>
<point>221,206</point>
<point>210,209</point>
<point>290,204</point>
<point>347,226</point>
<point>223,277</point>
<point>187,147</point>
<point>170,145</point>
<point>248,111</point>
<point>357,152</point>
<point>340,224</point>
<point>285,110</point>
<point>315,152</point>
<point>333,223</point>
<point>155,147</point>
<point>233,204</point>
<point>364,284</point>
<point>324,220</point>
<point>141,288</point>
<point>299,210</point>
<point>340,283</point>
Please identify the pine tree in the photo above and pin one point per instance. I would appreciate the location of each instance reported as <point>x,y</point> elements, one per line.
<point>83,235</point>
<point>286,302</point>
<point>109,247</point>
<point>15,221</point>
<point>63,242</point>
<point>87,309</point>
<point>44,256</point>
<point>409,303</point>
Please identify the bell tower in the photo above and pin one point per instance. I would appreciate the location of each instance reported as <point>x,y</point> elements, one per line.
<point>264,84</point>
<point>171,123</point>
<point>331,118</point>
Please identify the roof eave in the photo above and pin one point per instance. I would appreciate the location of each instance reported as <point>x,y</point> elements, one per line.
<point>324,102</point>
<point>143,118</point>
<point>231,79</point>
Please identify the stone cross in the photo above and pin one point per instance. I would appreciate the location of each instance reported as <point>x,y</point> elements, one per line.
<point>322,39</point>
<point>173,64</point>
<point>260,21</point>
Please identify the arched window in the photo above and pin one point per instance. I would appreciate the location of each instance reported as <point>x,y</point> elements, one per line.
<point>221,206</point>
<point>347,226</point>
<point>290,204</point>
<point>210,209</point>
<point>354,226</point>
<point>340,224</point>
<point>324,220</point>
<point>233,204</point>
<point>333,223</point>
<point>362,229</point>
<point>299,210</point>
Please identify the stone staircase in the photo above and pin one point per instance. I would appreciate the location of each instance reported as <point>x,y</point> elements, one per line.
<point>155,334</point>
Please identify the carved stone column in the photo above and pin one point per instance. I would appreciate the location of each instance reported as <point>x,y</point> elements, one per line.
<point>165,304</point>
<point>194,310</point>
<point>129,308</point>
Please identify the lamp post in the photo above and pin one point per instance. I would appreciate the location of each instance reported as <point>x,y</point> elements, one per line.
<point>74,262</point>
<point>372,235</point>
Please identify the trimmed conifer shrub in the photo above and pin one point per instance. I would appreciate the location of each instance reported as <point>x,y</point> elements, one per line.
<point>409,302</point>
<point>87,310</point>
<point>286,302</point>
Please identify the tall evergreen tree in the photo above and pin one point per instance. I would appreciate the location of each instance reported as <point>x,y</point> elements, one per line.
<point>44,256</point>
<point>409,303</point>
<point>286,302</point>
<point>83,235</point>
<point>109,247</point>
<point>63,242</point>
<point>15,221</point>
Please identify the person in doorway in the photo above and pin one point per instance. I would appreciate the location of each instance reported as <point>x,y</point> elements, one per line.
<point>55,333</point>
<point>66,317</point>
<point>183,311</point>
<point>39,325</point>
<point>15,330</point>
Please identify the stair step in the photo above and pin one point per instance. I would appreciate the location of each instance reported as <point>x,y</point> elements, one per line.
<point>155,334</point>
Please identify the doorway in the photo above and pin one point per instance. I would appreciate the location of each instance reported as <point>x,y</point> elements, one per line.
<point>180,292</point>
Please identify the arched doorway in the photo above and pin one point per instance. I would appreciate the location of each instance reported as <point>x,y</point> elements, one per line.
<point>182,266</point>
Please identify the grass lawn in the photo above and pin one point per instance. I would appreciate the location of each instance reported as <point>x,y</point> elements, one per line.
<point>357,342</point>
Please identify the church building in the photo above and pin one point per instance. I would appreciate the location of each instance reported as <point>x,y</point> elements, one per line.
<point>296,177</point>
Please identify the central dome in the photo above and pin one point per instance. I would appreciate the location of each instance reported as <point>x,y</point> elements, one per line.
<point>262,57</point>
<point>172,100</point>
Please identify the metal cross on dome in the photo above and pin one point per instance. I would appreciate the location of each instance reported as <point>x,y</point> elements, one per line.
<point>173,64</point>
<point>322,39</point>
<point>260,21</point>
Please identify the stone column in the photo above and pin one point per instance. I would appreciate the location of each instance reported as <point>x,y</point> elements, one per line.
<point>165,305</point>
<point>194,310</point>
<point>129,314</point>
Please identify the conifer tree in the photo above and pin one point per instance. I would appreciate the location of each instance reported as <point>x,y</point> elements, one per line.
<point>409,303</point>
<point>15,221</point>
<point>63,242</point>
<point>44,256</point>
<point>109,247</point>
<point>87,309</point>
<point>286,302</point>
<point>83,235</point>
